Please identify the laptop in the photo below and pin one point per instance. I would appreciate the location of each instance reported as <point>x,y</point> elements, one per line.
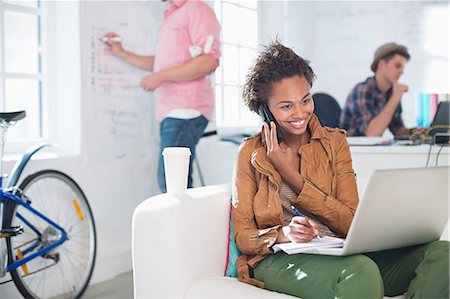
<point>441,121</point>
<point>399,207</point>
<point>440,126</point>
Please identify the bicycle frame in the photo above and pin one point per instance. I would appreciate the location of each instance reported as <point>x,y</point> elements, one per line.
<point>7,196</point>
<point>4,196</point>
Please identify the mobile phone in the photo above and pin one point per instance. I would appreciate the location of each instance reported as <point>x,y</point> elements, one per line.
<point>267,116</point>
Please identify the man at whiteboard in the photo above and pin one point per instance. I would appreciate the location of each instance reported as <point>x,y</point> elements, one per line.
<point>188,51</point>
<point>375,104</point>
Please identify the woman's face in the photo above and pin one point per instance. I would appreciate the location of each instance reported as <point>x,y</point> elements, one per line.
<point>292,105</point>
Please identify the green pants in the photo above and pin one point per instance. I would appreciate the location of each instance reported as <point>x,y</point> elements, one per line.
<point>421,271</point>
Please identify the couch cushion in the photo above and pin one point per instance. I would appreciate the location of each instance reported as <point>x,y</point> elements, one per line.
<point>233,251</point>
<point>228,287</point>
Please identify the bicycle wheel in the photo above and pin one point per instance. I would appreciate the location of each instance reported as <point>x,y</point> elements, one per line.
<point>65,271</point>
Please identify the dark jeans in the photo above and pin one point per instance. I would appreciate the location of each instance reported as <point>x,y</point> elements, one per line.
<point>421,271</point>
<point>179,132</point>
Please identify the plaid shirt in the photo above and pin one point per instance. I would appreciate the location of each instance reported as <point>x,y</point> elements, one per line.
<point>365,102</point>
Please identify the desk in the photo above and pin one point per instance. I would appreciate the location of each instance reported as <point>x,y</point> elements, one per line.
<point>367,158</point>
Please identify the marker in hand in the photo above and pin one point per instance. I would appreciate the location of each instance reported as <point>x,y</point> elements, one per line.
<point>297,213</point>
<point>116,39</point>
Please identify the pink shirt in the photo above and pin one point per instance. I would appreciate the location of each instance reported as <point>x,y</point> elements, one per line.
<point>186,23</point>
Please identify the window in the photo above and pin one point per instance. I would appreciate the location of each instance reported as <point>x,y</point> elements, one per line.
<point>21,66</point>
<point>239,42</point>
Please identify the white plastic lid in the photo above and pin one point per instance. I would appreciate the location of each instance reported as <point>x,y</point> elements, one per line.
<point>182,151</point>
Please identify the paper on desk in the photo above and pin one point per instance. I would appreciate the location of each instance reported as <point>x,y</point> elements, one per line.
<point>324,242</point>
<point>363,140</point>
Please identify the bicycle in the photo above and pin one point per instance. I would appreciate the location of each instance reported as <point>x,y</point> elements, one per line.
<point>48,228</point>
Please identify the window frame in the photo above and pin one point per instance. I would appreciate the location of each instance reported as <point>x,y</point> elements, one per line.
<point>20,144</point>
<point>52,79</point>
<point>234,127</point>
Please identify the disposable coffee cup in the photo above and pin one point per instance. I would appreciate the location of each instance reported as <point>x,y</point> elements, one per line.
<point>176,168</point>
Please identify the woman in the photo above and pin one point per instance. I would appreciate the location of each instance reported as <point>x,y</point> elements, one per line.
<point>311,169</point>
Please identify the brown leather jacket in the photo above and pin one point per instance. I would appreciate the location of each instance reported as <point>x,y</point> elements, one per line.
<point>329,192</point>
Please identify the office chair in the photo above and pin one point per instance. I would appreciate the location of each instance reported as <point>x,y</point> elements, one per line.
<point>327,109</point>
<point>235,139</point>
<point>196,160</point>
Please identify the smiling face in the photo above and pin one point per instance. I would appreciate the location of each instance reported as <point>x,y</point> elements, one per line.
<point>292,105</point>
<point>392,69</point>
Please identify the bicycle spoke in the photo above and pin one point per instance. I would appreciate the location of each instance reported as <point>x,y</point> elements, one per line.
<point>65,270</point>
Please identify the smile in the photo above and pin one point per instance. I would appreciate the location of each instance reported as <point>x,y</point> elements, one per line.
<point>298,124</point>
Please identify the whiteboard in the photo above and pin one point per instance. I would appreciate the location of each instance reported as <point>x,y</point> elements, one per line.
<point>119,122</point>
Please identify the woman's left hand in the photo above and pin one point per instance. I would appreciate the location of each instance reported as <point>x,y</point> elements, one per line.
<point>300,230</point>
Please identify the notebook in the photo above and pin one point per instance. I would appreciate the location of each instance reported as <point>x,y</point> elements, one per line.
<point>324,242</point>
<point>399,207</point>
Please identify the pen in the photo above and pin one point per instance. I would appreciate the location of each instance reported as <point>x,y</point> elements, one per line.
<point>297,213</point>
<point>116,39</point>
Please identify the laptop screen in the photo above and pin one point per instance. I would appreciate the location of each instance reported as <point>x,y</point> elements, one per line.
<point>441,121</point>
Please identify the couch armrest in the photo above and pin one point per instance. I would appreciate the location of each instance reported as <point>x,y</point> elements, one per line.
<point>177,240</point>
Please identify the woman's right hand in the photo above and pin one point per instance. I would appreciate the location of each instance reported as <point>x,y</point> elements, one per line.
<point>300,230</point>
<point>285,159</point>
<point>282,157</point>
<point>116,47</point>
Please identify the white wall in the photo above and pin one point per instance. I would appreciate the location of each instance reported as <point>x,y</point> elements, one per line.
<point>340,37</point>
<point>270,21</point>
<point>114,186</point>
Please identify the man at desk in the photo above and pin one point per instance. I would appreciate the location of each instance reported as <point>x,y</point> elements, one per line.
<point>374,105</point>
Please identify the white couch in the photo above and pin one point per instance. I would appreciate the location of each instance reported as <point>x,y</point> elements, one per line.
<point>179,247</point>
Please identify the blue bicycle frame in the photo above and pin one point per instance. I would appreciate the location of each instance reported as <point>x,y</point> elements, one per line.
<point>6,195</point>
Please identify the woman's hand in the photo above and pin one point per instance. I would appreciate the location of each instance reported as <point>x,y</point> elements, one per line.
<point>299,230</point>
<point>282,157</point>
<point>285,160</point>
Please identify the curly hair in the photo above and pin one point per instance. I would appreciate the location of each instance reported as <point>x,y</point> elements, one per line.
<point>273,64</point>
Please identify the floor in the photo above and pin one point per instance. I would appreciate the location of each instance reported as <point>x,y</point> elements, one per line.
<point>120,287</point>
